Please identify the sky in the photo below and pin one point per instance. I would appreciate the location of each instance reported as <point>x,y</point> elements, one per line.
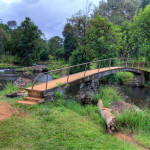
<point>49,15</point>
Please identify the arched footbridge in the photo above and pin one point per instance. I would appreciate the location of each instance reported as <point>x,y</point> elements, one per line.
<point>39,93</point>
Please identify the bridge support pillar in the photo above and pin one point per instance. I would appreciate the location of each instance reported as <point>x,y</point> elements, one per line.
<point>138,80</point>
<point>87,90</point>
<point>94,85</point>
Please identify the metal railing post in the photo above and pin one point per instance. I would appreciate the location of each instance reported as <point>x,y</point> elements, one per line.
<point>119,63</point>
<point>126,62</point>
<point>99,66</point>
<point>143,65</point>
<point>68,75</point>
<point>109,63</point>
<point>133,64</point>
<point>46,81</point>
<point>85,70</point>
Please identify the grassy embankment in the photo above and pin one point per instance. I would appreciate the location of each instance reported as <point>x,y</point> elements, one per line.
<point>65,124</point>
<point>8,66</point>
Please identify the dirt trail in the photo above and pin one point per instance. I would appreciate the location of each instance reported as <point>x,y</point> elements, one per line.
<point>129,138</point>
<point>6,111</point>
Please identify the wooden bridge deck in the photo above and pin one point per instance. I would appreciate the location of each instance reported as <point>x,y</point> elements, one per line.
<point>54,83</point>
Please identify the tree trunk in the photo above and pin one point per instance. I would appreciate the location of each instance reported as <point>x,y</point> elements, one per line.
<point>106,114</point>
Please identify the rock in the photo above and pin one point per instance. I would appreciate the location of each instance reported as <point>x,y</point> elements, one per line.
<point>16,94</point>
<point>87,91</point>
<point>22,82</point>
<point>26,75</point>
<point>119,106</point>
<point>1,86</point>
<point>9,70</point>
<point>85,95</point>
<point>11,95</point>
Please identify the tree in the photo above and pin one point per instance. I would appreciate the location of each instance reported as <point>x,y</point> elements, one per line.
<point>101,41</point>
<point>44,52</point>
<point>144,3</point>
<point>54,44</point>
<point>70,41</point>
<point>12,24</point>
<point>141,33</point>
<point>101,38</point>
<point>118,11</point>
<point>25,42</point>
<point>4,38</point>
<point>126,42</point>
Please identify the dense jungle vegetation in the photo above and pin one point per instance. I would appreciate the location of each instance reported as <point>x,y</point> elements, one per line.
<point>114,29</point>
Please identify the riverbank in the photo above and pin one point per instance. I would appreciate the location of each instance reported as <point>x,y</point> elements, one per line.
<point>66,124</point>
<point>8,66</point>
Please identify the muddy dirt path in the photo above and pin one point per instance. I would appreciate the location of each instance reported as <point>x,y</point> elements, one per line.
<point>128,138</point>
<point>6,111</point>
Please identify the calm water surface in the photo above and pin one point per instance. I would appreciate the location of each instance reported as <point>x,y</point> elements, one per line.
<point>7,75</point>
<point>137,95</point>
<point>134,95</point>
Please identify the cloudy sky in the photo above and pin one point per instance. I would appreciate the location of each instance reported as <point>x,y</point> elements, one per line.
<point>49,15</point>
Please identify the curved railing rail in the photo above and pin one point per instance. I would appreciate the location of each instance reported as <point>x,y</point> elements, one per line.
<point>134,64</point>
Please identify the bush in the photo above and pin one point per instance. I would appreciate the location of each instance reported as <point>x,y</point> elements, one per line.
<point>118,78</point>
<point>58,95</point>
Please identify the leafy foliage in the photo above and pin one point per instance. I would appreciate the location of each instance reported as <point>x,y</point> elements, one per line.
<point>141,28</point>
<point>26,42</point>
<point>54,44</point>
<point>114,29</point>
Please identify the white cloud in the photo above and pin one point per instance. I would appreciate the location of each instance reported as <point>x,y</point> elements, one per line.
<point>10,1</point>
<point>49,15</point>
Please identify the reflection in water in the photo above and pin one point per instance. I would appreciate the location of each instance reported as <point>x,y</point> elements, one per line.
<point>134,95</point>
<point>7,75</point>
<point>137,95</point>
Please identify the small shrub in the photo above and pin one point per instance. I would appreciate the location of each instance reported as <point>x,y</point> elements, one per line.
<point>59,84</point>
<point>96,97</point>
<point>58,95</point>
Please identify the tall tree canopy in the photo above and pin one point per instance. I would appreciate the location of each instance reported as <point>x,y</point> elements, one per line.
<point>12,24</point>
<point>54,44</point>
<point>25,42</point>
<point>70,41</point>
<point>141,32</point>
<point>118,11</point>
<point>144,3</point>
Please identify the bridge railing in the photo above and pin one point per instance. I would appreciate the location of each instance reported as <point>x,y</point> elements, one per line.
<point>121,62</point>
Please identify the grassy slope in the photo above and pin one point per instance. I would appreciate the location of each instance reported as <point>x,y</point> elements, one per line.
<point>59,125</point>
<point>56,127</point>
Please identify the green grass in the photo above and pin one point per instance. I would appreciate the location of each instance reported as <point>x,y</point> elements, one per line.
<point>9,88</point>
<point>124,76</point>
<point>57,125</point>
<point>65,124</point>
<point>108,94</point>
<point>8,66</point>
<point>118,78</point>
<point>32,69</point>
<point>138,123</point>
<point>55,76</point>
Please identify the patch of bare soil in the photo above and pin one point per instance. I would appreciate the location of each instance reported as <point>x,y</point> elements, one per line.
<point>6,111</point>
<point>128,138</point>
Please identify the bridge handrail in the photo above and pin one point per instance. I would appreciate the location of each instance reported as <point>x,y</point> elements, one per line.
<point>110,59</point>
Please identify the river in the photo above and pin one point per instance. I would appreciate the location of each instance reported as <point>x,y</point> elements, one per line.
<point>7,75</point>
<point>137,95</point>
